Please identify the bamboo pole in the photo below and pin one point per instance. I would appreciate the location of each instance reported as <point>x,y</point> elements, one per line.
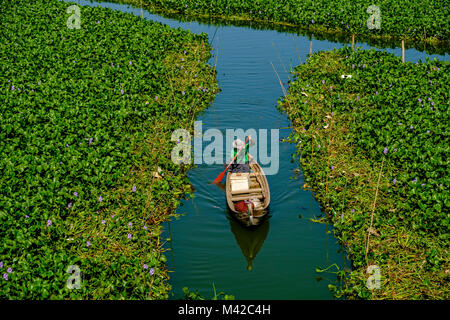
<point>373,210</point>
<point>310,48</point>
<point>353,41</point>
<point>217,54</point>
<point>142,11</point>
<point>403,50</point>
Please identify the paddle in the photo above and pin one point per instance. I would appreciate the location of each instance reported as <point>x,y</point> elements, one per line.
<point>222,174</point>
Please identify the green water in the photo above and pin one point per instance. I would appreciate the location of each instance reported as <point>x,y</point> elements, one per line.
<point>278,259</point>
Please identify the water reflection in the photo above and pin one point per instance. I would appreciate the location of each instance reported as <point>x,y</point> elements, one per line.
<point>250,240</point>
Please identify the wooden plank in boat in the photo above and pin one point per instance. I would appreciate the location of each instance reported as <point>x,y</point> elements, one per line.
<point>251,190</point>
<point>246,197</point>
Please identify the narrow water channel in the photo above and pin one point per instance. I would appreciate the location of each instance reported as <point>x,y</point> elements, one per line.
<point>277,260</point>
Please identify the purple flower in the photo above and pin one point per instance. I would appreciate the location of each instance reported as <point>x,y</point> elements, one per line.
<point>323,81</point>
<point>411,127</point>
<point>12,88</point>
<point>75,194</point>
<point>428,131</point>
<point>145,266</point>
<point>39,83</point>
<point>130,63</point>
<point>395,150</point>
<point>331,88</point>
<point>90,141</point>
<point>394,181</point>
<point>98,22</point>
<point>88,244</point>
<point>420,100</point>
<point>130,225</point>
<point>121,91</point>
<point>183,93</point>
<point>145,228</point>
<point>1,264</point>
<point>103,222</point>
<point>100,198</point>
<point>69,205</point>
<point>129,236</point>
<point>414,180</point>
<point>133,189</point>
<point>423,184</point>
<point>152,271</point>
<point>5,276</point>
<point>353,210</point>
<point>332,167</point>
<point>318,146</point>
<point>385,150</point>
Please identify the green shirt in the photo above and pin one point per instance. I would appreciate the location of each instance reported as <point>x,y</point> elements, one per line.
<point>243,155</point>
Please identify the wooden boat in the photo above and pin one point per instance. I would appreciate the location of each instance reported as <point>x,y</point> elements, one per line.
<point>257,195</point>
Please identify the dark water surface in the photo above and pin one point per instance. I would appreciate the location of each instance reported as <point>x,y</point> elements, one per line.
<point>207,245</point>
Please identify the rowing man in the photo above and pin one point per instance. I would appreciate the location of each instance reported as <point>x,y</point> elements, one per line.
<point>241,163</point>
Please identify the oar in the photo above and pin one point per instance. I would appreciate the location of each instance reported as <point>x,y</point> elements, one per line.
<point>222,174</point>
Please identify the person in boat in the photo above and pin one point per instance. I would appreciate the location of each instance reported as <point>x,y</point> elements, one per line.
<point>241,163</point>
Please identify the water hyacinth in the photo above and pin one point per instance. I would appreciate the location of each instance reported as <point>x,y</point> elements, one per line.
<point>88,244</point>
<point>69,205</point>
<point>1,264</point>
<point>394,181</point>
<point>385,151</point>
<point>129,236</point>
<point>133,189</point>
<point>152,271</point>
<point>49,223</point>
<point>75,194</point>
<point>103,222</point>
<point>100,199</point>
<point>145,266</point>
<point>130,225</point>
<point>5,276</point>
